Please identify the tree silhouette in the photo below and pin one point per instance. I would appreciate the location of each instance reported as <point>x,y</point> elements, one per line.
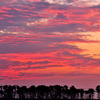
<point>15,90</point>
<point>5,88</point>
<point>98,91</point>
<point>1,91</point>
<point>81,93</point>
<point>21,91</point>
<point>73,92</point>
<point>40,92</point>
<point>32,92</point>
<point>91,93</point>
<point>65,92</point>
<point>58,90</point>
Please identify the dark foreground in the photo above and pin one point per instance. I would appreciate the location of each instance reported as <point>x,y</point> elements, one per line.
<point>43,92</point>
<point>45,99</point>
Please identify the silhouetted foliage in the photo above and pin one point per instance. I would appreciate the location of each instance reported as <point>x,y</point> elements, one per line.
<point>98,91</point>
<point>16,92</point>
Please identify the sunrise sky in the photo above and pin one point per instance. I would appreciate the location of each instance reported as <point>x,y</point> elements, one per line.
<point>48,42</point>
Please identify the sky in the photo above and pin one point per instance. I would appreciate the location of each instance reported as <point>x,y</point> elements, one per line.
<point>48,42</point>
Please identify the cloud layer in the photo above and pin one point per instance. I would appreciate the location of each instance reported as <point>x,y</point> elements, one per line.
<point>49,39</point>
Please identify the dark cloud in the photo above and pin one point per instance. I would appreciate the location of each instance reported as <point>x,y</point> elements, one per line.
<point>60,16</point>
<point>20,44</point>
<point>4,64</point>
<point>38,67</point>
<point>1,79</point>
<point>36,75</point>
<point>79,74</point>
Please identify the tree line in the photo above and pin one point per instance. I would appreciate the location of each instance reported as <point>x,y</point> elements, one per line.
<point>46,92</point>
